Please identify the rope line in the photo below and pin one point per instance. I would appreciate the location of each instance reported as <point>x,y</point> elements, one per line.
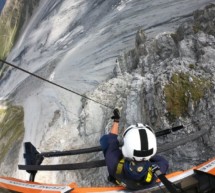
<point>50,82</point>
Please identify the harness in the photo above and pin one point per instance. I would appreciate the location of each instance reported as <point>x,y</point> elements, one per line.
<point>129,183</point>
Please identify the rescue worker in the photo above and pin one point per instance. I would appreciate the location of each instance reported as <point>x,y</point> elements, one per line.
<point>132,166</point>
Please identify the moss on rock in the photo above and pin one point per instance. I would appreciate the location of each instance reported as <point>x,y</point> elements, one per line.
<point>12,19</point>
<point>182,89</point>
<point>11,128</point>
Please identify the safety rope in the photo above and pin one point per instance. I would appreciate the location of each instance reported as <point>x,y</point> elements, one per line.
<point>41,78</point>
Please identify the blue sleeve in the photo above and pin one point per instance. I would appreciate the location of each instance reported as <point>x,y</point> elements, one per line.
<point>161,162</point>
<point>112,152</point>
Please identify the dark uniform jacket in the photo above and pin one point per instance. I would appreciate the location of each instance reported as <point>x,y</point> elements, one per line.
<point>113,155</point>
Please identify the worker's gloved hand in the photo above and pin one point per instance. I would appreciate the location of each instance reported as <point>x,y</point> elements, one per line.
<point>116,115</point>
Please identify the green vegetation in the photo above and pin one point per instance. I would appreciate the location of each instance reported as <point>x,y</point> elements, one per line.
<point>9,23</point>
<point>2,70</point>
<point>182,89</point>
<point>11,128</point>
<point>192,66</point>
<point>12,20</point>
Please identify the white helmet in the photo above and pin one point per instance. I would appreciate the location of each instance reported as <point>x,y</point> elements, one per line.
<point>139,142</point>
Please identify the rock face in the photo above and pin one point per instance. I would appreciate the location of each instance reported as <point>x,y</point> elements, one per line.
<point>163,82</point>
<point>11,136</point>
<point>14,16</point>
<point>168,81</point>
